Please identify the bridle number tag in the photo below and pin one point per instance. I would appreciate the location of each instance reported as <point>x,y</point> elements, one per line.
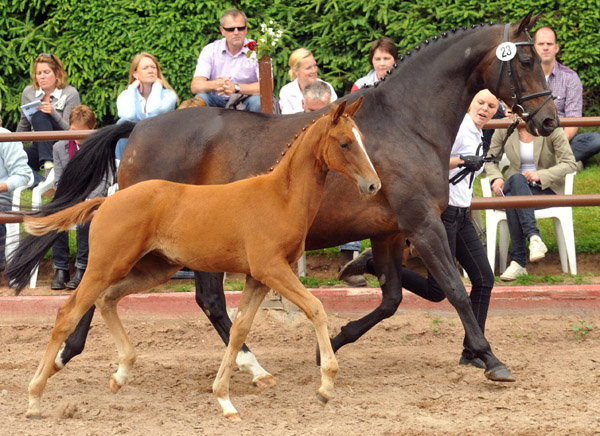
<point>506,51</point>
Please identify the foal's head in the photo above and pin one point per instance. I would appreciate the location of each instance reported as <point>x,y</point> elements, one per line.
<point>344,150</point>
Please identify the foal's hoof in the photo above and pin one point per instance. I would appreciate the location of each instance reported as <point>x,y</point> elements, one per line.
<point>499,374</point>
<point>33,415</point>
<point>233,417</point>
<point>323,400</point>
<point>266,381</point>
<point>114,386</point>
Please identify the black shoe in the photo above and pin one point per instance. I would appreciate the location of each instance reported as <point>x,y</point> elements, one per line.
<point>475,361</point>
<point>356,267</point>
<point>76,279</point>
<point>61,277</point>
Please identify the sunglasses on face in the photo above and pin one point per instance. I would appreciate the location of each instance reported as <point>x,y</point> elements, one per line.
<point>232,29</point>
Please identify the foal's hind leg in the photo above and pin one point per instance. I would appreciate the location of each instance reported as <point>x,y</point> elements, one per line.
<point>66,319</point>
<point>211,299</point>
<point>253,294</point>
<point>150,271</point>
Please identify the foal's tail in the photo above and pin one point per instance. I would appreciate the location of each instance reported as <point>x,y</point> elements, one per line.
<point>63,220</point>
<point>88,168</point>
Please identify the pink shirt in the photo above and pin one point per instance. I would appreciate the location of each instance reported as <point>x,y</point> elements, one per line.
<point>215,60</point>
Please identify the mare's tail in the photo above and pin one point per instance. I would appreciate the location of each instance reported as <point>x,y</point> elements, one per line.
<point>63,220</point>
<point>92,164</point>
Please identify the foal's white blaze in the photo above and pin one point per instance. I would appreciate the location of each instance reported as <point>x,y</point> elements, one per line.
<point>362,146</point>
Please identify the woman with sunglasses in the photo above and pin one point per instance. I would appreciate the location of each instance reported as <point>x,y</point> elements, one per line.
<point>56,100</point>
<point>148,93</point>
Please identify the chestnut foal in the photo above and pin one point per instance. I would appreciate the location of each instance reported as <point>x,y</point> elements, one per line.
<point>142,235</point>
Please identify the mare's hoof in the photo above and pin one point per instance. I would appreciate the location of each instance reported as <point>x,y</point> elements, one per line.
<point>322,399</point>
<point>234,417</point>
<point>114,386</point>
<point>499,374</point>
<point>266,381</point>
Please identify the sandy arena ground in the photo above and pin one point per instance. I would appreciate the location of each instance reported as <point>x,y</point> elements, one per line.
<point>402,378</point>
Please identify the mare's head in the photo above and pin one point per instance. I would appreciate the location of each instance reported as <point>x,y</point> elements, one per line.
<point>516,76</point>
<point>344,150</point>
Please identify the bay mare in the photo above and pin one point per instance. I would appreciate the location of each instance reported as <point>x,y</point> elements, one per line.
<point>164,226</point>
<point>409,121</point>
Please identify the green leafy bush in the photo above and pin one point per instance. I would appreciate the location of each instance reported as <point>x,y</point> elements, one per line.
<point>97,39</point>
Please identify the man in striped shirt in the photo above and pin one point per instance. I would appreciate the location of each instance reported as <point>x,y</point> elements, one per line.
<point>567,91</point>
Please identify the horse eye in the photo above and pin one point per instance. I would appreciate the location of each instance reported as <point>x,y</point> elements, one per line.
<point>527,63</point>
<point>345,145</point>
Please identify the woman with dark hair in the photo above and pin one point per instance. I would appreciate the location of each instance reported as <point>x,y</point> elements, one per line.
<point>148,93</point>
<point>56,98</point>
<point>382,56</point>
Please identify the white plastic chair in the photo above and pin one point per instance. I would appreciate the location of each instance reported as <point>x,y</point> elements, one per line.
<point>563,225</point>
<point>13,230</point>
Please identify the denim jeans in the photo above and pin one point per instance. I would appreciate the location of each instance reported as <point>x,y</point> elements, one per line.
<point>60,249</point>
<point>467,248</point>
<point>585,145</point>
<point>252,102</point>
<point>41,151</point>
<point>521,222</point>
<point>351,246</point>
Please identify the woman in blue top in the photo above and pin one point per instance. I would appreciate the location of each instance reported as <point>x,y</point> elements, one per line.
<point>148,94</point>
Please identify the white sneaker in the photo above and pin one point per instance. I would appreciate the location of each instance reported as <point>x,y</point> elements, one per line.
<point>513,271</point>
<point>537,248</point>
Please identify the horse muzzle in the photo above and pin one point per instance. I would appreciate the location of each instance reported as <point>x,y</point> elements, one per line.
<point>543,127</point>
<point>368,187</point>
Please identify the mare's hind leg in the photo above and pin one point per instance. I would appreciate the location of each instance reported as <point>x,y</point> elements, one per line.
<point>75,343</point>
<point>150,271</point>
<point>211,299</point>
<point>388,256</point>
<point>253,294</point>
<point>281,278</point>
<point>66,319</point>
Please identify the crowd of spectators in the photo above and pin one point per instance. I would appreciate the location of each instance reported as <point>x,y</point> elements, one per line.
<point>227,76</point>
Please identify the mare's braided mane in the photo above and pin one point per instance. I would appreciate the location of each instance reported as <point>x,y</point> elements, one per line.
<point>407,54</point>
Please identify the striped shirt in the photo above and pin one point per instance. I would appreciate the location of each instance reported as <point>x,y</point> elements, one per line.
<point>567,91</point>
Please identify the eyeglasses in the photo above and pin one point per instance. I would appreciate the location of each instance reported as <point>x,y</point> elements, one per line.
<point>231,29</point>
<point>46,55</point>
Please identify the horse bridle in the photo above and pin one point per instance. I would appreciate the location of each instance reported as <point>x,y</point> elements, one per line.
<point>517,95</point>
<point>515,90</point>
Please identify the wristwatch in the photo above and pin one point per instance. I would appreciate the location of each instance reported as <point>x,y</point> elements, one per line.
<point>236,87</point>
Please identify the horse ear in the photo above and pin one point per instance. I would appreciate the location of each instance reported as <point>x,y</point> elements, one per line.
<point>354,107</point>
<point>337,111</point>
<point>525,23</point>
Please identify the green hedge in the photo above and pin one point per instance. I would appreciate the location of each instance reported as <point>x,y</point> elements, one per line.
<point>97,39</point>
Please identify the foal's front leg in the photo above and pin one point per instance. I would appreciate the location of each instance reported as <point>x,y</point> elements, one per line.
<point>252,296</point>
<point>282,279</point>
<point>211,299</point>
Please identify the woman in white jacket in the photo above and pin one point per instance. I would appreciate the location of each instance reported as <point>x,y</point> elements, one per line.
<point>148,94</point>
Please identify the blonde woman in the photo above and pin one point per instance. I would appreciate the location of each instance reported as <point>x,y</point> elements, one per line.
<point>56,98</point>
<point>303,70</point>
<point>148,94</point>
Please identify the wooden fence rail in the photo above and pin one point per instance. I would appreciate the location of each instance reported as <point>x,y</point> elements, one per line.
<point>511,202</point>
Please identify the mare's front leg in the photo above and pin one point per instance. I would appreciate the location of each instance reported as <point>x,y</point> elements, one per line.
<point>252,296</point>
<point>210,296</point>
<point>67,318</point>
<point>387,254</point>
<point>432,242</point>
